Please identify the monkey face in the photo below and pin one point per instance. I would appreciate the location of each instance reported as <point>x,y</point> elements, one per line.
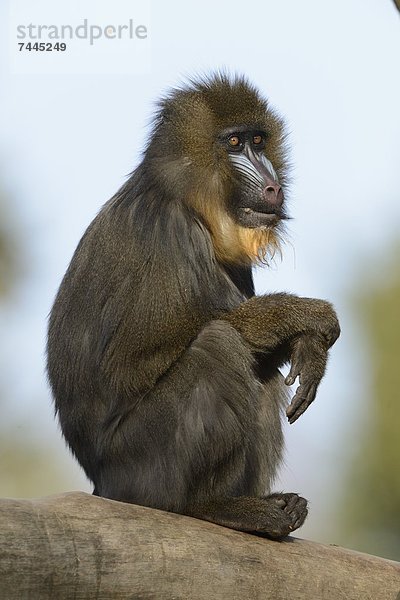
<point>218,148</point>
<point>257,198</point>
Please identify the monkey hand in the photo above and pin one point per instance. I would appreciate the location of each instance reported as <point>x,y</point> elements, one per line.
<point>308,362</point>
<point>320,318</point>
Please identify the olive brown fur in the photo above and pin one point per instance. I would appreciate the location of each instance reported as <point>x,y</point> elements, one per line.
<point>164,365</point>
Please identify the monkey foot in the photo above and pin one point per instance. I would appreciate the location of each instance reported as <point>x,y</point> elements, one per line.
<point>274,516</point>
<point>286,512</point>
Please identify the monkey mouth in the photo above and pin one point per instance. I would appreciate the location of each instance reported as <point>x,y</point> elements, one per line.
<point>255,219</point>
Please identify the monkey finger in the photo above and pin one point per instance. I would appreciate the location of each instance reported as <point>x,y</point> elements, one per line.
<point>301,401</point>
<point>290,379</point>
<point>294,372</point>
<point>297,400</point>
<point>305,404</point>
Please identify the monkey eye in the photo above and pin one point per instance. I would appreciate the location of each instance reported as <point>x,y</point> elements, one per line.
<point>257,140</point>
<point>234,141</point>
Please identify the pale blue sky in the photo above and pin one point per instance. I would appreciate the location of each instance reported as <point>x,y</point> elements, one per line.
<point>68,141</point>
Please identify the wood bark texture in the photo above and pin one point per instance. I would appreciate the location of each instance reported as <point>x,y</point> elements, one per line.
<point>79,546</point>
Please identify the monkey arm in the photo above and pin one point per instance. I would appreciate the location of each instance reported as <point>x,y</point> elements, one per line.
<point>300,330</point>
<point>267,322</point>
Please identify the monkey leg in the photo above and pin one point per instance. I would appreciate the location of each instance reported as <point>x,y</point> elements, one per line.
<point>275,515</point>
<point>209,429</point>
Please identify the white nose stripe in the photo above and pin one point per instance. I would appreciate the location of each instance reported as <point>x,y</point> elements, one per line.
<point>249,171</point>
<point>269,166</point>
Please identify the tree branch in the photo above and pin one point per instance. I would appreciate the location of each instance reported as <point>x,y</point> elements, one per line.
<point>79,546</point>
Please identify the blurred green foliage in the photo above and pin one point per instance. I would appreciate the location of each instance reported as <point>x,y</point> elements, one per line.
<point>372,510</point>
<point>29,463</point>
<point>30,467</point>
<point>9,264</point>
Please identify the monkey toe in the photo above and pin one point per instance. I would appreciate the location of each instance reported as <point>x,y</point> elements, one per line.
<point>297,510</point>
<point>291,502</point>
<point>287,500</point>
<point>279,500</point>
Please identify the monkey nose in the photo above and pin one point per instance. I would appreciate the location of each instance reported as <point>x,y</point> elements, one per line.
<point>273,194</point>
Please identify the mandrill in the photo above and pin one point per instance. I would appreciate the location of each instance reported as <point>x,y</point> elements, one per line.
<point>163,364</point>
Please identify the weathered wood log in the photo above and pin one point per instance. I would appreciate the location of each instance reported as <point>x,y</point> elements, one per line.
<point>78,546</point>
